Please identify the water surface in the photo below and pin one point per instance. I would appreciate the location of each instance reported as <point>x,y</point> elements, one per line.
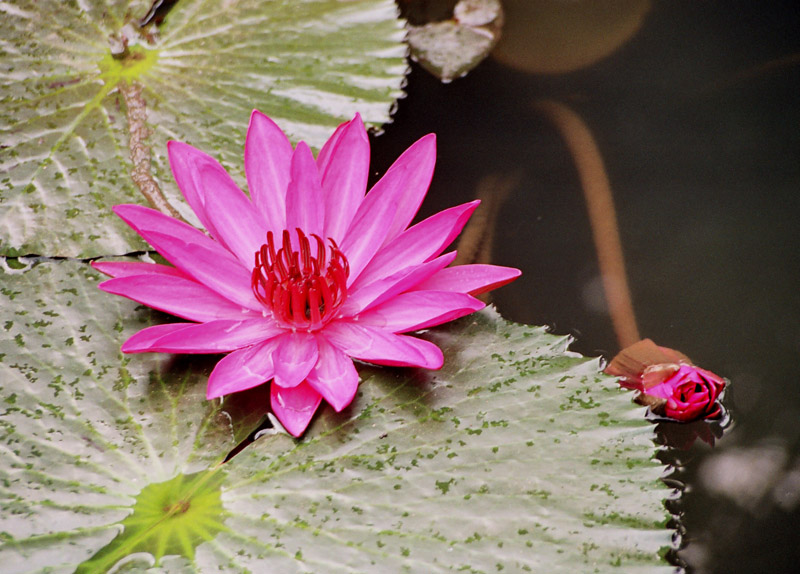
<point>698,121</point>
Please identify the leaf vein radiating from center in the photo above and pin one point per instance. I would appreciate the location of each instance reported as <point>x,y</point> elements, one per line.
<point>68,165</point>
<point>500,458</point>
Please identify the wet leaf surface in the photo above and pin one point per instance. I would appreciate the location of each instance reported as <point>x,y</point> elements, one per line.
<point>517,456</point>
<point>83,429</point>
<point>66,160</point>
<point>451,47</point>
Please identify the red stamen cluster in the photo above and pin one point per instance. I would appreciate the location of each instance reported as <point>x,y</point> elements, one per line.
<point>302,291</point>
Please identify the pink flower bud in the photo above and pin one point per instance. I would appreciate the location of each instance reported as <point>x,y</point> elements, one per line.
<point>690,393</point>
<point>667,381</point>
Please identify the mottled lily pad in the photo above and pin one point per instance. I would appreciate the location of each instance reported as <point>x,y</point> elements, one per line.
<point>517,456</point>
<point>66,75</point>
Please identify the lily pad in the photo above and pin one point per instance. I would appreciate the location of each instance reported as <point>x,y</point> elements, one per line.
<point>450,48</point>
<point>80,81</point>
<point>84,429</point>
<point>517,456</point>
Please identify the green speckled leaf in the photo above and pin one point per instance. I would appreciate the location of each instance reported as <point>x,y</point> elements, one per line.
<point>517,456</point>
<point>83,429</point>
<point>64,159</point>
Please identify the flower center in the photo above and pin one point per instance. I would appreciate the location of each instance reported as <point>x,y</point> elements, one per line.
<point>302,290</point>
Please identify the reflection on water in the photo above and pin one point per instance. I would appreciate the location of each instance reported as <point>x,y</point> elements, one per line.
<point>697,118</point>
<point>746,475</point>
<point>762,482</point>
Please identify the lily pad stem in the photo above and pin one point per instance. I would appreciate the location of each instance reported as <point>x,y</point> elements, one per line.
<point>602,215</point>
<point>136,112</point>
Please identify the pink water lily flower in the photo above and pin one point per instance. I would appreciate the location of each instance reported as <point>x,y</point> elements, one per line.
<point>305,274</point>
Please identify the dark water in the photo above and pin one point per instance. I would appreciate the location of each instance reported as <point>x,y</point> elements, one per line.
<point>698,121</point>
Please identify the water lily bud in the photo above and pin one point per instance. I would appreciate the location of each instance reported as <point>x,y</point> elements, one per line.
<point>669,384</point>
<point>689,394</point>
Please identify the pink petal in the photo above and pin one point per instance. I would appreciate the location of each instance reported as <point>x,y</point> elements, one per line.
<point>304,202</point>
<point>187,163</point>
<point>267,157</point>
<point>193,253</point>
<point>295,356</point>
<point>226,276</point>
<point>220,336</point>
<point>419,309</point>
<point>242,370</point>
<point>144,221</point>
<point>325,154</point>
<point>344,170</point>
<point>216,199</point>
<point>419,243</point>
<point>334,376</point>
<point>128,268</point>
<point>432,355</point>
<point>405,184</point>
<point>472,279</point>
<point>377,346</point>
<point>142,341</point>
<point>176,295</point>
<point>361,298</point>
<point>236,222</point>
<point>366,235</point>
<point>294,406</point>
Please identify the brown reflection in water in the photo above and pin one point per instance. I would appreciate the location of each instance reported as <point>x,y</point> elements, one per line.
<point>697,117</point>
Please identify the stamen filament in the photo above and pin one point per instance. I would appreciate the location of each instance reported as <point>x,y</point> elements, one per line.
<point>303,291</point>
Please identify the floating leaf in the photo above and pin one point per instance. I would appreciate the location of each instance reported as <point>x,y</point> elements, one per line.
<point>83,429</point>
<point>451,48</point>
<point>517,456</point>
<point>169,518</point>
<point>80,81</point>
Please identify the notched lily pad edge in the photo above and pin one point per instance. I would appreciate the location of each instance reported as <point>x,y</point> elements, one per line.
<point>265,425</point>
<point>232,406</point>
<point>558,344</point>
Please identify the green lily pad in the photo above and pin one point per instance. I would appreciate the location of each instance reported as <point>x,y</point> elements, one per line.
<point>517,456</point>
<point>71,74</point>
<point>84,430</point>
<point>169,518</point>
